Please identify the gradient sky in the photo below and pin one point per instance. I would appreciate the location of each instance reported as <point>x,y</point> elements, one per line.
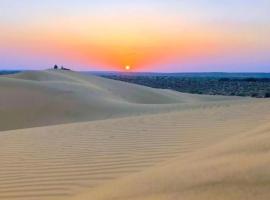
<point>148,35</point>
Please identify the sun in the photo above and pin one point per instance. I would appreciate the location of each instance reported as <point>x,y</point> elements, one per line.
<point>127,68</point>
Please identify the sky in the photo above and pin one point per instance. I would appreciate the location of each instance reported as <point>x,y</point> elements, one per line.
<point>146,35</point>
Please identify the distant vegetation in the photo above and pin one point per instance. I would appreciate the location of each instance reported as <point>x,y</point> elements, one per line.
<point>6,72</point>
<point>229,84</point>
<point>257,85</point>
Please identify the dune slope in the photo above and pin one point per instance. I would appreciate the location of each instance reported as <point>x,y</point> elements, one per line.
<point>40,98</point>
<point>237,169</point>
<point>63,161</point>
<point>51,97</point>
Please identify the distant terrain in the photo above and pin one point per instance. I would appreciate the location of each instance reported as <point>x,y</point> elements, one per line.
<point>6,72</point>
<point>228,84</point>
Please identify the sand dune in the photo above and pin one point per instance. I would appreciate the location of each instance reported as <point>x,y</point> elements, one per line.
<point>32,99</point>
<point>128,142</point>
<point>62,161</point>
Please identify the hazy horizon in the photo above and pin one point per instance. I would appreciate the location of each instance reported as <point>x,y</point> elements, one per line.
<point>121,71</point>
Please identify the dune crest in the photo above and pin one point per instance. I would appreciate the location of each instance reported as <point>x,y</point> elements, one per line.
<point>40,98</point>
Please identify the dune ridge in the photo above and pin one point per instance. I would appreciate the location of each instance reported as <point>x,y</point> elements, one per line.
<point>40,98</point>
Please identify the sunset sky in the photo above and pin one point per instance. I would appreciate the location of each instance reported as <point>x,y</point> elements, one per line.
<point>147,35</point>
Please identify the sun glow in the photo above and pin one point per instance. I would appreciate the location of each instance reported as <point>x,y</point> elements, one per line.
<point>144,37</point>
<point>127,68</point>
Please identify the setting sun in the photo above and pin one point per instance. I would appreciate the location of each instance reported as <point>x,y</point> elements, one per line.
<point>127,68</point>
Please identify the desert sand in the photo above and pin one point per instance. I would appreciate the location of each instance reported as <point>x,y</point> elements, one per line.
<point>69,136</point>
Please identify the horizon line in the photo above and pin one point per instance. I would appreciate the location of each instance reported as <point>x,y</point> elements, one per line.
<point>153,72</point>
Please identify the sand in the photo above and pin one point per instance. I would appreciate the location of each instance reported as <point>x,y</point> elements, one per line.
<point>33,99</point>
<point>103,139</point>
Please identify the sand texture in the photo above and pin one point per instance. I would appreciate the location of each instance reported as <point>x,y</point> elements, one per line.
<point>68,136</point>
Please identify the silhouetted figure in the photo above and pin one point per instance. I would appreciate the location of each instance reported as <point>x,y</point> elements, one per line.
<point>55,67</point>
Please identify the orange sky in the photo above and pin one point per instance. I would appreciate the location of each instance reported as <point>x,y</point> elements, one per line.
<point>147,34</point>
